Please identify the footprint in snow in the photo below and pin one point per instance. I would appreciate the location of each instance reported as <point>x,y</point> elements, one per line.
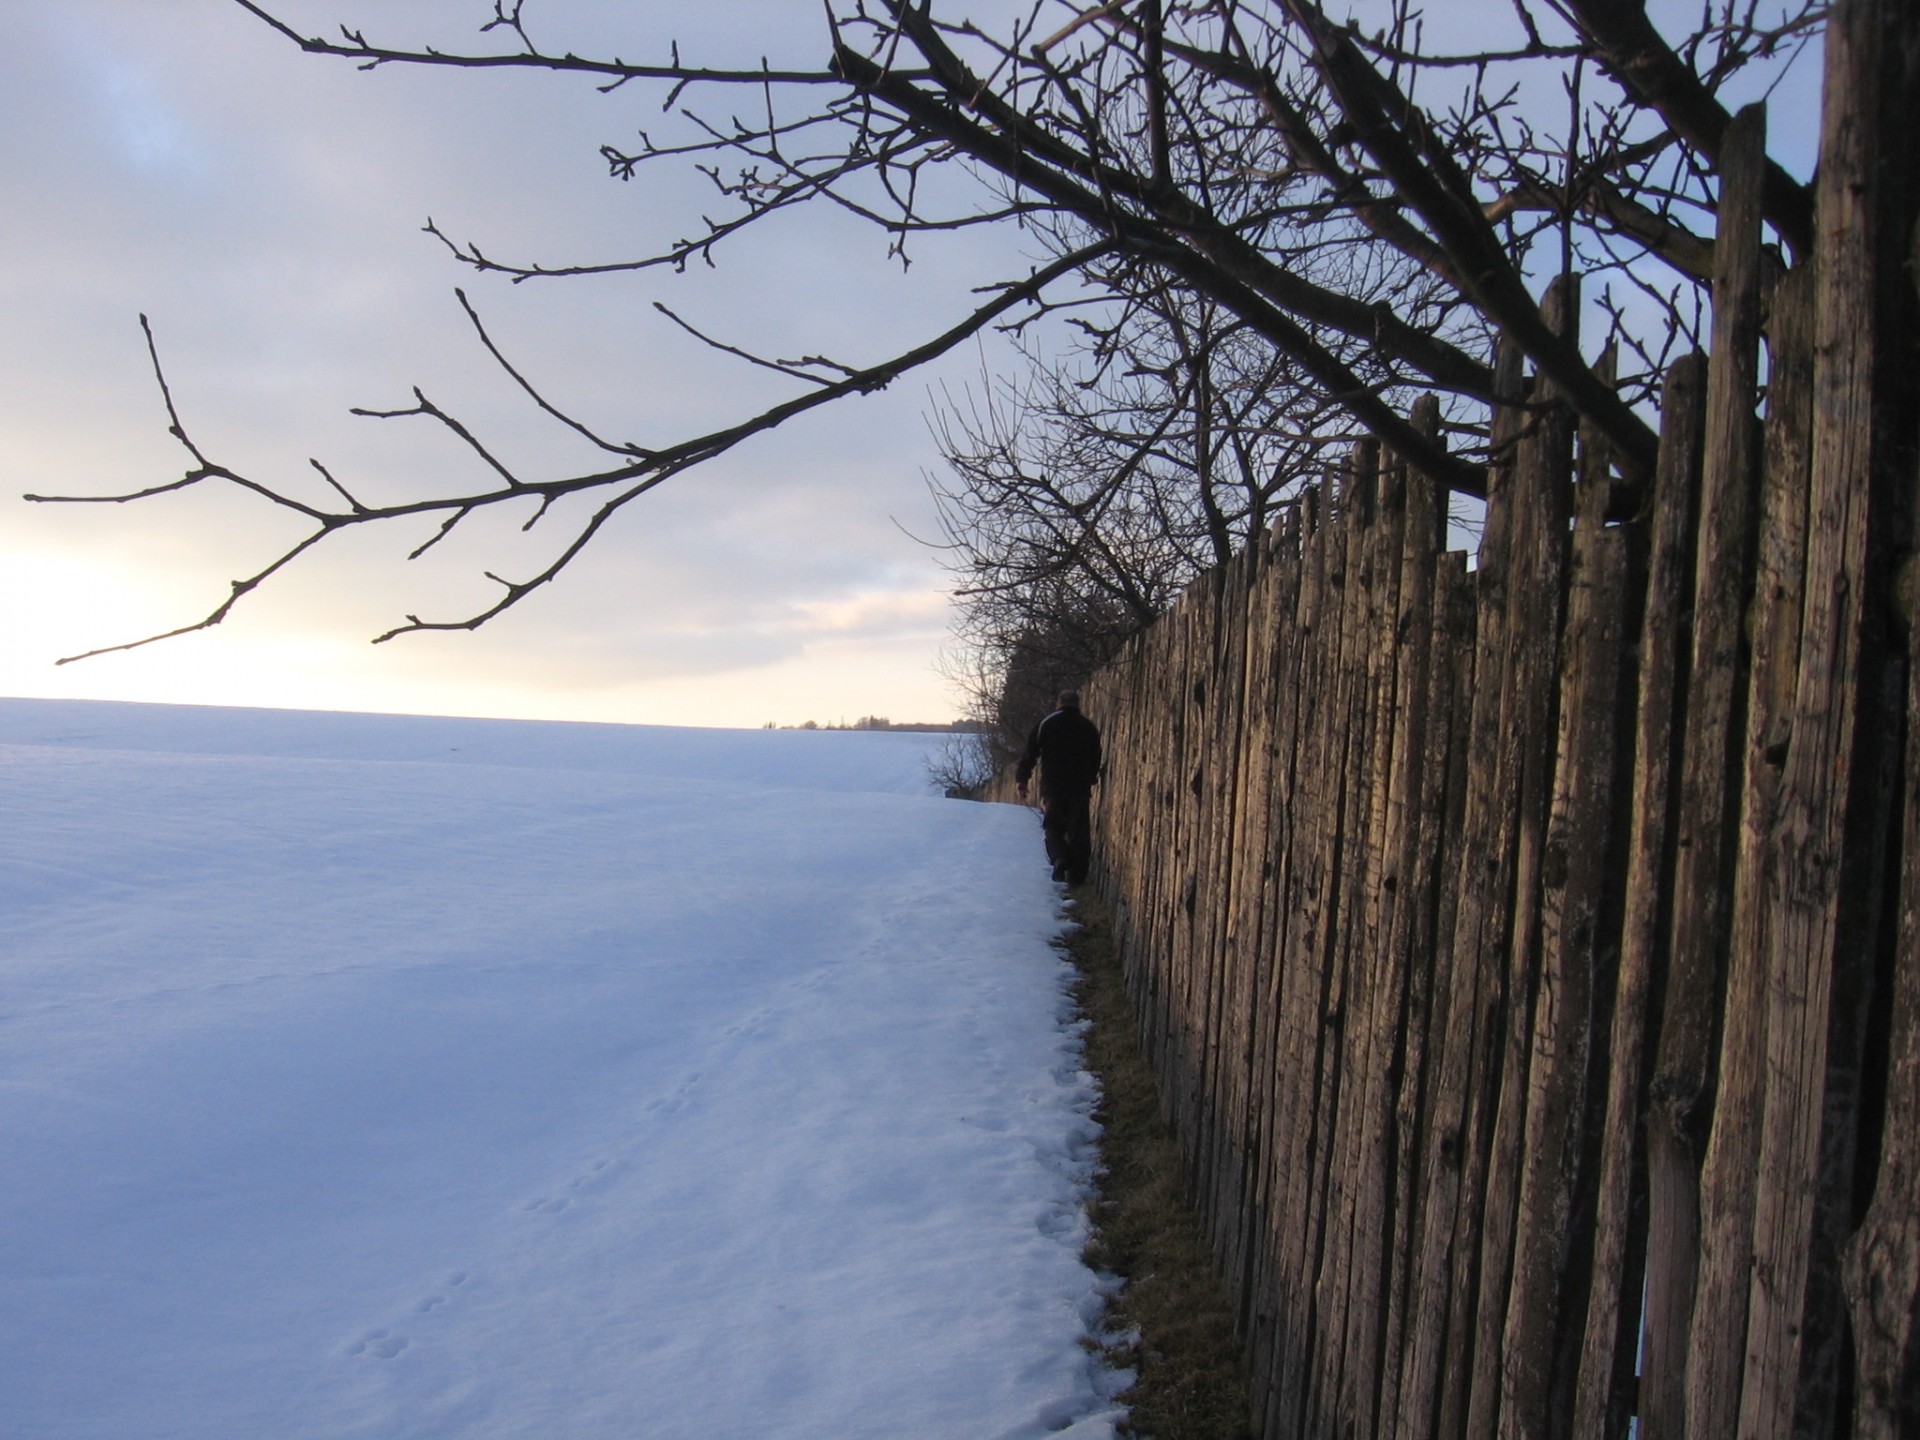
<point>751,1025</point>
<point>381,1344</point>
<point>434,1301</point>
<point>1057,1222</point>
<point>597,1173</point>
<point>677,1101</point>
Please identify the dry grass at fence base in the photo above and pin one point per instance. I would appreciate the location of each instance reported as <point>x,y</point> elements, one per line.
<point>1190,1381</point>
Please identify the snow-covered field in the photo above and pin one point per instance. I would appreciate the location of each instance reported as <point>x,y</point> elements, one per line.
<point>368,1076</point>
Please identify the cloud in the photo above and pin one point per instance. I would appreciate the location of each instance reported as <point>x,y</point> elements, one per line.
<point>264,208</point>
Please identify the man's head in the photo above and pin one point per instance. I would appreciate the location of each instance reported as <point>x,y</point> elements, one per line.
<point>1069,700</point>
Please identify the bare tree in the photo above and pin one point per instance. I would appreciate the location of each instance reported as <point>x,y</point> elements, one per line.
<point>1369,204</point>
<point>1083,493</point>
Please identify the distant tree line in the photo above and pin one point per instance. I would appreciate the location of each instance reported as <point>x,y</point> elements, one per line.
<point>880,722</point>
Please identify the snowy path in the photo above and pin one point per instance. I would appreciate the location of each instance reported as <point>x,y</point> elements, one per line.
<point>387,1077</point>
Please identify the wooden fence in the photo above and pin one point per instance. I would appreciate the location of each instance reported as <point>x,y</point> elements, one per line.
<point>1528,951</point>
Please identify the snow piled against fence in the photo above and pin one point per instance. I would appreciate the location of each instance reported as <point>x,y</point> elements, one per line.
<point>376,1076</point>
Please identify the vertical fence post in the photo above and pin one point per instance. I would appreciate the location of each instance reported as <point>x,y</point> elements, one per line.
<point>1882,1259</point>
<point>1832,824</point>
<point>1671,1236</point>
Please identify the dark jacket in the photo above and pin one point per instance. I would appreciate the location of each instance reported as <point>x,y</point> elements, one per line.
<point>1066,746</point>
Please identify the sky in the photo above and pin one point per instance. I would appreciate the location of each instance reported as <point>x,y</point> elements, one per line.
<point>176,158</point>
<point>263,208</point>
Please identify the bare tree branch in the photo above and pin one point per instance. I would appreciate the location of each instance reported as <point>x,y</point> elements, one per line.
<point>1248,195</point>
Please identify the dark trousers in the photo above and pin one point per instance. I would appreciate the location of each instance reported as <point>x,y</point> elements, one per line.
<point>1068,826</point>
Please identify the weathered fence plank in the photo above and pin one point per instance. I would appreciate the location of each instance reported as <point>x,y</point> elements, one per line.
<point>1710,804</point>
<point>1406,548</point>
<point>1424,918</point>
<point>1240,913</point>
<point>1829,827</point>
<point>1882,1261</point>
<point>1612,1327</point>
<point>1431,1366</point>
<point>1299,967</point>
<point>1536,593</point>
<point>1882,1258</point>
<point>1578,948</point>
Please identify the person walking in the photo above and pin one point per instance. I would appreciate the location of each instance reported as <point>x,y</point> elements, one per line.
<point>1066,747</point>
